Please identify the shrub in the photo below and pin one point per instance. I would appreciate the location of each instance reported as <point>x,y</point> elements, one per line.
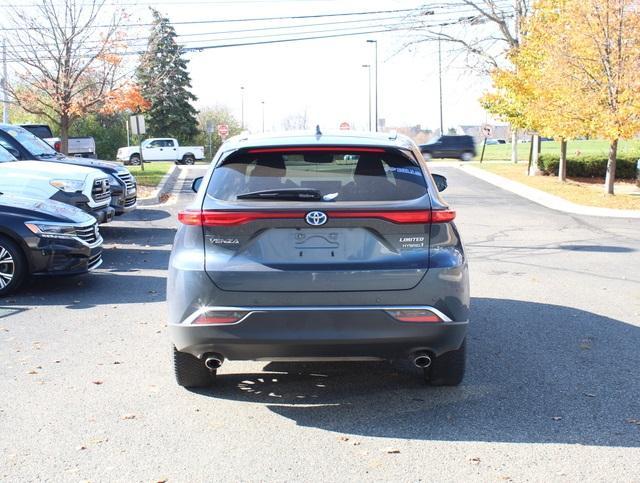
<point>589,166</point>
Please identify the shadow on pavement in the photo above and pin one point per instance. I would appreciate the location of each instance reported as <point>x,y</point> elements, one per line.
<point>144,214</point>
<point>142,236</point>
<point>537,373</point>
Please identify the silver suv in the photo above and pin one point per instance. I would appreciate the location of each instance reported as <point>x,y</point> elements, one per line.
<point>318,247</point>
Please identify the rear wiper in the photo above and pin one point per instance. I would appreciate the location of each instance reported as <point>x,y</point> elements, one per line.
<point>289,194</point>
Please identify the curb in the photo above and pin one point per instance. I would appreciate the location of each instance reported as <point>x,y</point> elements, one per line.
<point>546,199</point>
<point>164,186</point>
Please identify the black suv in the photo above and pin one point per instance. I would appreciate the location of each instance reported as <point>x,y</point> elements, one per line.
<point>457,147</point>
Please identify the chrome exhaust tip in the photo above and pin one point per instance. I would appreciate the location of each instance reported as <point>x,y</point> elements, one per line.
<point>213,362</point>
<point>422,361</point>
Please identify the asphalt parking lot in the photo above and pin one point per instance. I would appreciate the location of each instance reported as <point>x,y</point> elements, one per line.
<point>552,389</point>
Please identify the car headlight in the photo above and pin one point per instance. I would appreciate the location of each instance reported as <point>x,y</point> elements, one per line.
<point>67,185</point>
<point>51,230</point>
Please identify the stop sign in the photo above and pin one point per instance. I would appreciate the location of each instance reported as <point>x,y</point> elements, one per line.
<point>223,130</point>
<point>345,126</point>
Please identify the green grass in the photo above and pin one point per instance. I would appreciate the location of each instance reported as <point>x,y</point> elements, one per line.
<point>152,174</point>
<point>501,152</point>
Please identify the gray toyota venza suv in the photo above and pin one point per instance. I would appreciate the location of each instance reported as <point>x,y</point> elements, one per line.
<point>318,247</point>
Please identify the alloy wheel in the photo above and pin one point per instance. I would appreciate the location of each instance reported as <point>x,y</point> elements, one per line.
<point>7,267</point>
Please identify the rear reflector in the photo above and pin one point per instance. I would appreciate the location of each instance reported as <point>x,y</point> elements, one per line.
<point>414,315</point>
<point>233,218</point>
<point>219,317</point>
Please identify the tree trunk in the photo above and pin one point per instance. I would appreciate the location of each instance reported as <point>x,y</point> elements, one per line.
<point>562,167</point>
<point>64,134</point>
<point>610,178</point>
<point>514,145</point>
<point>535,149</point>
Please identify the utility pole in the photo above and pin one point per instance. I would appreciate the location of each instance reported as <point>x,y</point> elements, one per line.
<point>375,42</point>
<point>262,102</point>
<point>440,80</point>
<point>242,107</point>
<point>368,67</point>
<point>5,84</point>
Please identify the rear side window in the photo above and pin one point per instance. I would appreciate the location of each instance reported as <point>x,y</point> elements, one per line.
<point>343,174</point>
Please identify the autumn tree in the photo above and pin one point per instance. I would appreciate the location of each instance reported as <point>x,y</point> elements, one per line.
<point>579,59</point>
<point>66,57</point>
<point>166,84</point>
<point>211,118</point>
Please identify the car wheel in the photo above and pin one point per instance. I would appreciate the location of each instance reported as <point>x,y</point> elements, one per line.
<point>191,371</point>
<point>13,266</point>
<point>466,156</point>
<point>447,369</point>
<point>188,160</point>
<point>134,160</point>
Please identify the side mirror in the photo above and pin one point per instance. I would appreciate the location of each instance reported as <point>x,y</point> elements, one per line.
<point>14,152</point>
<point>195,186</point>
<point>441,182</point>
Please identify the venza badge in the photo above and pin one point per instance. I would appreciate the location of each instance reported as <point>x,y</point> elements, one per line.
<point>316,218</point>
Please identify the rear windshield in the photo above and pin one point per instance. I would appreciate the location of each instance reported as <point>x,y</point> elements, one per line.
<point>40,131</point>
<point>341,175</point>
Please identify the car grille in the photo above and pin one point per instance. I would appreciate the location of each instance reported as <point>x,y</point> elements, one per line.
<point>127,179</point>
<point>89,234</point>
<point>101,190</point>
<point>130,202</point>
<point>94,261</point>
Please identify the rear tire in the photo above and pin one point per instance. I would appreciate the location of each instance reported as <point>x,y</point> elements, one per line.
<point>134,160</point>
<point>188,160</point>
<point>191,371</point>
<point>447,369</point>
<point>13,266</point>
<point>466,156</point>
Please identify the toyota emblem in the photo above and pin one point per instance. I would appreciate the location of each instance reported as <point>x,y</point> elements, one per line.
<point>316,218</point>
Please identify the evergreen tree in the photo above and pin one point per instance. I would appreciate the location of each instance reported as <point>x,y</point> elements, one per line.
<point>165,83</point>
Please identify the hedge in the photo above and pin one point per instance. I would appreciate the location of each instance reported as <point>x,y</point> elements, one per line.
<point>589,166</point>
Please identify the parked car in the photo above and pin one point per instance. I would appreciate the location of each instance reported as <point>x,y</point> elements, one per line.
<point>161,149</point>
<point>40,238</point>
<point>84,146</point>
<point>273,262</point>
<point>26,146</point>
<point>492,141</point>
<point>84,188</point>
<point>457,147</point>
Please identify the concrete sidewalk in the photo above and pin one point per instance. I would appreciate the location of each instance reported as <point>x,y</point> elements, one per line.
<point>542,198</point>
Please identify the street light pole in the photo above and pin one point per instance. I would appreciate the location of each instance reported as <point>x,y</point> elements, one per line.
<point>242,107</point>
<point>375,42</point>
<point>368,67</point>
<point>262,115</point>
<point>440,81</point>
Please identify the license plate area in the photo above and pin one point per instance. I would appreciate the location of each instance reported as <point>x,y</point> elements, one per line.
<point>317,244</point>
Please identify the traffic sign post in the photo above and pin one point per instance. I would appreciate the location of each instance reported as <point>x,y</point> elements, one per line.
<point>223,130</point>
<point>139,129</point>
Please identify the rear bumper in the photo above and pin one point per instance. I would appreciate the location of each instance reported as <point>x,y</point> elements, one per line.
<point>318,332</point>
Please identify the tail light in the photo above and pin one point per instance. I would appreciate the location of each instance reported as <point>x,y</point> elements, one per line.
<point>233,218</point>
<point>57,146</point>
<point>415,315</point>
<point>219,317</point>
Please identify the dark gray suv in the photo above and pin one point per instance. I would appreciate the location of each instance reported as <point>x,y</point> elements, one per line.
<point>325,247</point>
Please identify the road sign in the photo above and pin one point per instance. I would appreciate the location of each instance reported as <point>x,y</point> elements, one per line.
<point>487,130</point>
<point>209,126</point>
<point>223,130</point>
<point>344,126</point>
<point>137,125</point>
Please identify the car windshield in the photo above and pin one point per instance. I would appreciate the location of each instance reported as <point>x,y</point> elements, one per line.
<point>31,143</point>
<point>306,174</point>
<point>5,155</point>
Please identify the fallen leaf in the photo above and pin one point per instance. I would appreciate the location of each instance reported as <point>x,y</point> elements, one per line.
<point>32,372</point>
<point>129,416</point>
<point>475,460</point>
<point>343,438</point>
<point>80,448</point>
<point>97,383</point>
<point>392,451</point>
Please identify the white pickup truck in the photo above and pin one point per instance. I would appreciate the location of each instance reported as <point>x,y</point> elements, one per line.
<point>161,149</point>
<point>80,147</point>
